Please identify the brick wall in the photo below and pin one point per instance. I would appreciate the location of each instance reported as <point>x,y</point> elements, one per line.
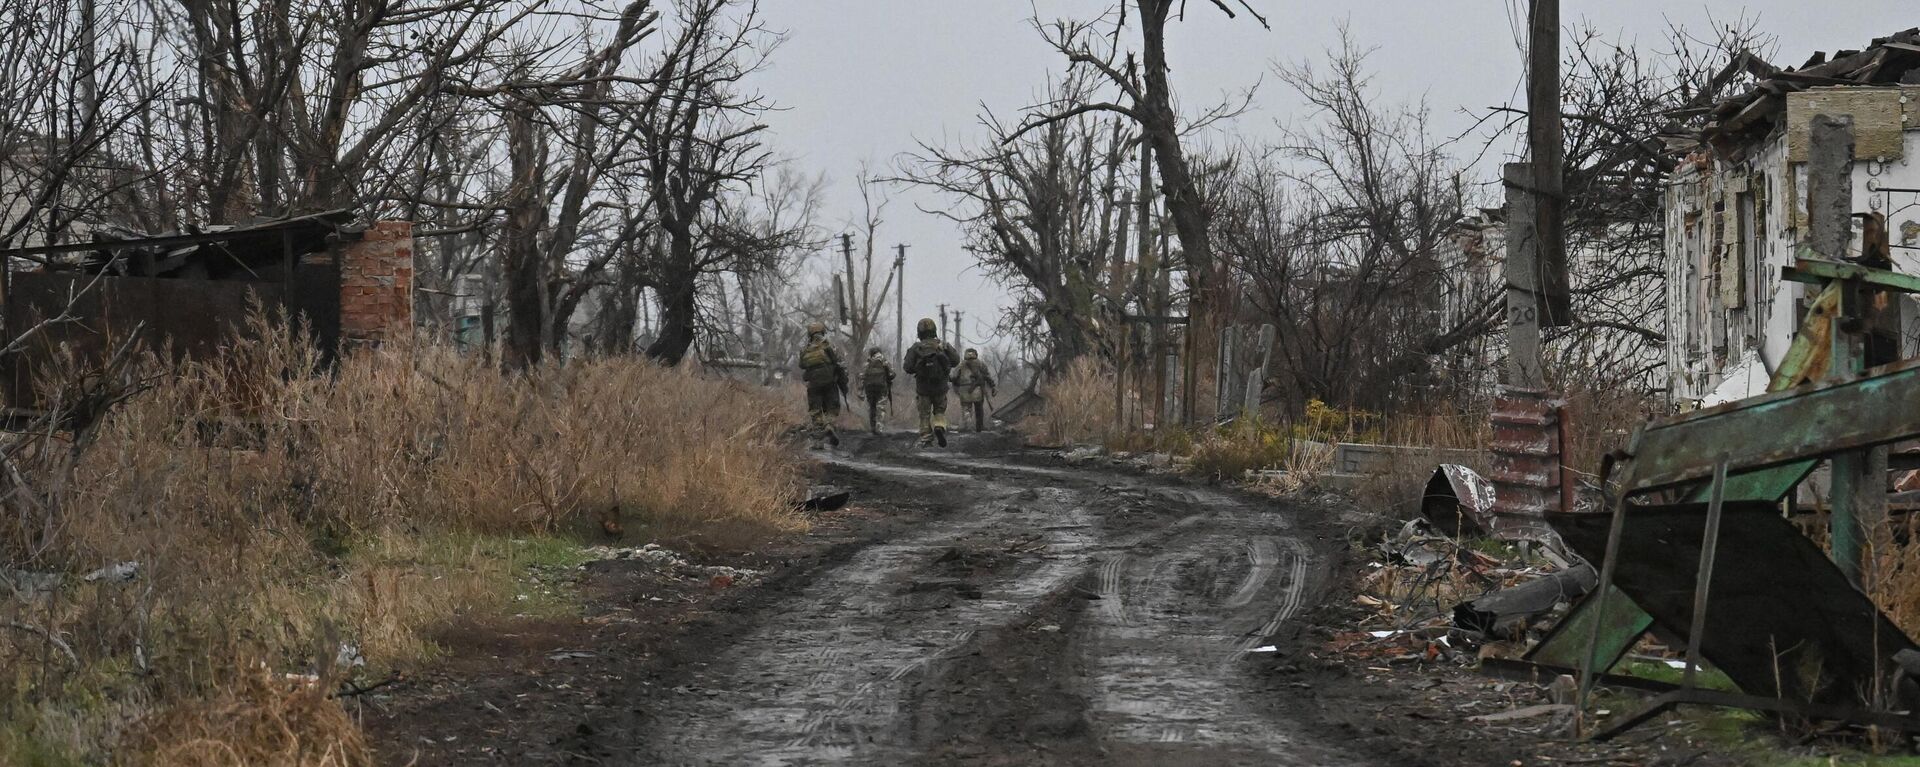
<point>376,284</point>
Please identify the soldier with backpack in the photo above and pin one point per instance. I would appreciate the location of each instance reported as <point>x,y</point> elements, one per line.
<point>826,381</point>
<point>876,383</point>
<point>931,361</point>
<point>975,383</point>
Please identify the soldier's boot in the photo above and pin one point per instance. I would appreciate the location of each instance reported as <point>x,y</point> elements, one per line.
<point>940,435</point>
<point>832,437</point>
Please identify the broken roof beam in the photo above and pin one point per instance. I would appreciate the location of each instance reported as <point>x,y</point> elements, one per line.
<point>329,221</point>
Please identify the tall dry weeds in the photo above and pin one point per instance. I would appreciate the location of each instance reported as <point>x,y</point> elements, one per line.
<point>270,510</point>
<point>1079,407</point>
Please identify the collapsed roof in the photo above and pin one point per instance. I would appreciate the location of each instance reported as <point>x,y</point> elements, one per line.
<point>255,250</point>
<point>1754,113</point>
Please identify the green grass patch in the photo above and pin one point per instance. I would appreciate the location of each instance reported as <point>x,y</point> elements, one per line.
<point>1707,677</point>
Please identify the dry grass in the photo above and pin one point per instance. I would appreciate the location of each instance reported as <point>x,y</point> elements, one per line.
<point>278,516</point>
<point>1079,407</point>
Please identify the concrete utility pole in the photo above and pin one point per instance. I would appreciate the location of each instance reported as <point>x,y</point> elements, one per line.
<point>943,321</point>
<point>956,329</point>
<point>900,300</point>
<point>1859,478</point>
<point>1536,273</point>
<point>1522,274</point>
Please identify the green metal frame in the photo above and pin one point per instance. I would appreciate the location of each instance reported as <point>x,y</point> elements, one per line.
<point>1807,359</point>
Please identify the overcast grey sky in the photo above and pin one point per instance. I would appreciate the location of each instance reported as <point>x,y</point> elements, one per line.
<point>863,80</point>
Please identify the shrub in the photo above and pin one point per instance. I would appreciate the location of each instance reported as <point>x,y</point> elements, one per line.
<point>276,515</point>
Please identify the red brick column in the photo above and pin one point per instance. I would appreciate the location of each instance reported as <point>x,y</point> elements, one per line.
<point>376,284</point>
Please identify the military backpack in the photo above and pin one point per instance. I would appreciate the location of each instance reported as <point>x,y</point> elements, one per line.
<point>816,364</point>
<point>877,376</point>
<point>933,363</point>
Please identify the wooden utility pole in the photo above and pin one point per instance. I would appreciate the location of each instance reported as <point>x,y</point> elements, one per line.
<point>1535,270</point>
<point>943,321</point>
<point>1546,136</point>
<point>900,300</point>
<point>956,329</point>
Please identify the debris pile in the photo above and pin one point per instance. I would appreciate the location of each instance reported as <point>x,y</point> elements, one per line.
<point>670,562</point>
<point>1431,598</point>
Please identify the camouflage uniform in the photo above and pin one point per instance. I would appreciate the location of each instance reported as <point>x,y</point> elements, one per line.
<point>931,361</point>
<point>826,381</point>
<point>974,382</point>
<point>876,384</point>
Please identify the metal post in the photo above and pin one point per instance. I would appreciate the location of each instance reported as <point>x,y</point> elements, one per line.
<point>1609,564</point>
<point>1703,579</point>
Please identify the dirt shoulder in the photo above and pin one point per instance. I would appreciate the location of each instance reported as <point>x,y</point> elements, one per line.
<point>1030,610</point>
<point>527,690</point>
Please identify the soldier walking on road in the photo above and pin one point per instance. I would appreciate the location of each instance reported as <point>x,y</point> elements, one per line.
<point>931,361</point>
<point>876,384</point>
<point>974,382</point>
<point>826,381</point>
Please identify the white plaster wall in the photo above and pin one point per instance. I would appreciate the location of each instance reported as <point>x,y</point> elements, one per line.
<point>1708,340</point>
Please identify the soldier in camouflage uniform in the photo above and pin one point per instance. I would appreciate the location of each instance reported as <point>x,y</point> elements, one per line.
<point>974,382</point>
<point>826,381</point>
<point>876,385</point>
<point>931,361</point>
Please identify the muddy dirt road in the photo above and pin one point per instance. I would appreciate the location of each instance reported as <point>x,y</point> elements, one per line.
<point>1036,614</point>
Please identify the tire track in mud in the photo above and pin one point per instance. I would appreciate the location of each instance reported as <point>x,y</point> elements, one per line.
<point>1177,602</point>
<point>886,617</point>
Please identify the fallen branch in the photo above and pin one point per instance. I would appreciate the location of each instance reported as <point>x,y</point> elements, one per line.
<point>48,635</point>
<point>349,690</point>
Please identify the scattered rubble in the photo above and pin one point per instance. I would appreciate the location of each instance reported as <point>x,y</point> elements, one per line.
<point>119,571</point>
<point>1432,598</point>
<point>33,584</point>
<point>670,562</point>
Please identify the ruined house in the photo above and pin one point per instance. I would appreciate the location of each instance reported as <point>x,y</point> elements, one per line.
<point>187,292</point>
<point>1736,211</point>
<point>1474,257</point>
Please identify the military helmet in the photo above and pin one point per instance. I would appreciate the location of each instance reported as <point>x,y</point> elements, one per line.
<point>926,328</point>
<point>816,327</point>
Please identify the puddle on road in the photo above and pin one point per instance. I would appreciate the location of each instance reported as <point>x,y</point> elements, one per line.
<point>825,682</point>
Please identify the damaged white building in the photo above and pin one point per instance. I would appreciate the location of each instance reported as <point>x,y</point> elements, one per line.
<point>1736,212</point>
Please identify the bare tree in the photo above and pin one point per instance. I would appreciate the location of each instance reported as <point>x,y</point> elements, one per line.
<point>1146,96</point>
<point>1047,211</point>
<point>1339,234</point>
<point>78,94</point>
<point>699,143</point>
<point>865,306</point>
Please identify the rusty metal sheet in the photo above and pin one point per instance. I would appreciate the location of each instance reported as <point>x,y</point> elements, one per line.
<point>1458,501</point>
<point>1876,409</point>
<point>1782,619</point>
<point>1525,466</point>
